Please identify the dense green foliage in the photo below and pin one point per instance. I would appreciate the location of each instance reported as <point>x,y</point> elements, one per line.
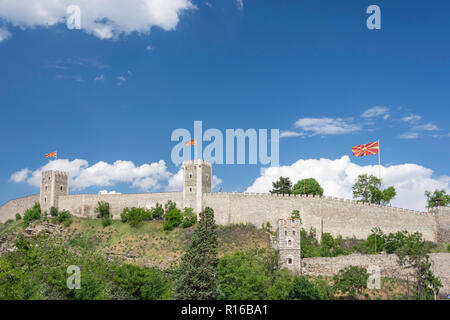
<point>189,218</point>
<point>172,219</point>
<point>256,275</point>
<point>32,214</point>
<point>38,270</point>
<point>196,274</point>
<point>308,186</point>
<point>438,197</point>
<point>102,211</point>
<point>368,189</point>
<point>18,217</point>
<point>351,281</point>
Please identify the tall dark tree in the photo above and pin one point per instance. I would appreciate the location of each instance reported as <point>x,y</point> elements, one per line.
<point>368,189</point>
<point>196,275</point>
<point>282,186</point>
<point>308,186</point>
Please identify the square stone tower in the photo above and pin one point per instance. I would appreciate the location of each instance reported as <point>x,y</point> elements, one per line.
<point>53,185</point>
<point>197,180</point>
<point>288,244</point>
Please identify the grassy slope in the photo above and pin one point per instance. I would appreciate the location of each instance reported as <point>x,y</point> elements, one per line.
<point>150,245</point>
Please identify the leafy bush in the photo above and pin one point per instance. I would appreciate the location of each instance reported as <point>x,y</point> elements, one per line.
<point>375,241</point>
<point>351,281</point>
<point>310,246</point>
<point>169,206</point>
<point>173,219</point>
<point>142,283</point>
<point>157,212</point>
<point>448,248</point>
<point>102,211</point>
<point>189,218</point>
<point>18,217</point>
<point>64,217</point>
<point>53,211</point>
<point>394,241</point>
<point>32,214</point>
<point>302,289</point>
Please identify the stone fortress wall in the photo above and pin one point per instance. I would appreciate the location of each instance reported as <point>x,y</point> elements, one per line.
<point>325,214</point>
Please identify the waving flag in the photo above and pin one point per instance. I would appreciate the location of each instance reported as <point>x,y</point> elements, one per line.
<point>366,149</point>
<point>51,155</point>
<point>191,143</point>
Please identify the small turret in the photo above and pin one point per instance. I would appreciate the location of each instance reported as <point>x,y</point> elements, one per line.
<point>53,185</point>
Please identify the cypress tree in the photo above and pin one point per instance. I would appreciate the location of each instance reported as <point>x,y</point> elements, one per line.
<point>196,274</point>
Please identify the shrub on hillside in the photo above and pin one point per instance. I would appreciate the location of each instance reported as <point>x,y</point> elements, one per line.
<point>189,218</point>
<point>18,217</point>
<point>53,211</point>
<point>157,212</point>
<point>169,206</point>
<point>172,219</point>
<point>302,289</point>
<point>102,211</point>
<point>32,214</point>
<point>351,281</point>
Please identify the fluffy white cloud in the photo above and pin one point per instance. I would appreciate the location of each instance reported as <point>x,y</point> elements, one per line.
<point>108,192</point>
<point>4,34</point>
<point>105,19</point>
<point>20,176</point>
<point>412,118</point>
<point>337,178</point>
<point>375,112</point>
<point>327,126</point>
<point>409,135</point>
<point>289,134</point>
<point>146,177</point>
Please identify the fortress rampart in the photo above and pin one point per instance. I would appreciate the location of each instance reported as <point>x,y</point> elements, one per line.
<point>326,214</point>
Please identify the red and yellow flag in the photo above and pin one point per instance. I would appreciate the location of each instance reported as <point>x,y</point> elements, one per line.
<point>51,155</point>
<point>191,143</point>
<point>366,149</point>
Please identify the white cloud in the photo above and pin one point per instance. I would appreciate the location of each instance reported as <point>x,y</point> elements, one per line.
<point>386,116</point>
<point>146,177</point>
<point>20,176</point>
<point>4,34</point>
<point>148,48</point>
<point>99,78</point>
<point>108,192</point>
<point>412,118</point>
<point>375,112</point>
<point>327,126</point>
<point>409,135</point>
<point>239,4</point>
<point>288,134</point>
<point>104,19</point>
<point>337,177</point>
<point>428,127</point>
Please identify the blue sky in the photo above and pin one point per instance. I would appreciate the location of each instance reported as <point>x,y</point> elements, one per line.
<point>309,68</point>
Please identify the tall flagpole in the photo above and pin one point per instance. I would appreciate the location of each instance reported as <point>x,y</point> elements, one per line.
<point>379,160</point>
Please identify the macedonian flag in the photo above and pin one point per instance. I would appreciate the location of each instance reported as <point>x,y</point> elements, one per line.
<point>51,155</point>
<point>366,149</point>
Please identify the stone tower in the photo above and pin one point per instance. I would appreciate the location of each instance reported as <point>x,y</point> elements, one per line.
<point>53,185</point>
<point>197,180</point>
<point>288,244</point>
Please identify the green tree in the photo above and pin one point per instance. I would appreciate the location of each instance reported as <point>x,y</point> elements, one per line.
<point>282,186</point>
<point>172,219</point>
<point>295,215</point>
<point>196,275</point>
<point>351,281</point>
<point>308,186</point>
<point>102,211</point>
<point>438,197</point>
<point>368,189</point>
<point>189,218</point>
<point>302,289</point>
<point>413,253</point>
<point>32,214</point>
<point>18,217</point>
